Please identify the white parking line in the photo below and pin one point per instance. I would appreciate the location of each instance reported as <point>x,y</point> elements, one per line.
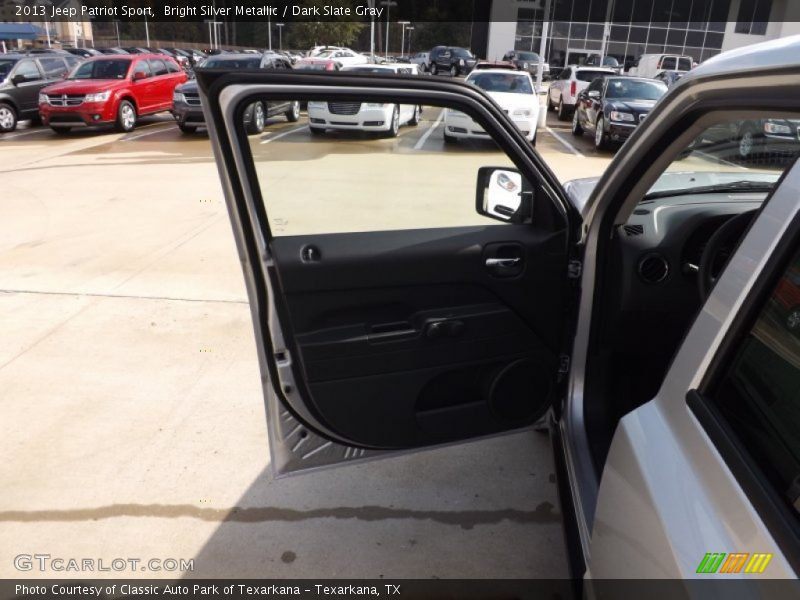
<point>284,134</point>
<point>24,133</point>
<point>421,141</point>
<point>721,160</point>
<point>141,135</point>
<point>564,142</point>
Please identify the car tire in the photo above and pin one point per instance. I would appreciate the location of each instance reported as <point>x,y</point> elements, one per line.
<point>126,117</point>
<point>293,114</point>
<point>550,106</point>
<point>187,128</point>
<point>258,119</point>
<point>449,139</point>
<point>394,124</point>
<point>562,111</point>
<point>453,71</point>
<point>61,130</point>
<point>316,130</point>
<point>434,69</point>
<point>747,143</point>
<point>416,117</point>
<point>600,139</point>
<point>8,118</point>
<point>577,130</point>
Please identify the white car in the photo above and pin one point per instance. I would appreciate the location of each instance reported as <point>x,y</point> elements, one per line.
<point>344,56</point>
<point>317,50</point>
<point>365,116</point>
<point>513,90</point>
<point>422,60</point>
<point>563,92</point>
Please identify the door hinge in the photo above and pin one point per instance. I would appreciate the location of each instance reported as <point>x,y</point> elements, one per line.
<point>574,269</point>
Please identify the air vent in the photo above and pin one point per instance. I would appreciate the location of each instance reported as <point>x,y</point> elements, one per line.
<point>632,230</point>
<point>653,268</point>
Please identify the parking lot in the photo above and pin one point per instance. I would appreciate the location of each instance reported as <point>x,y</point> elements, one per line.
<point>133,421</point>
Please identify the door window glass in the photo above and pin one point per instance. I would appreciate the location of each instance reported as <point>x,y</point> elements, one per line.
<point>28,69</point>
<point>158,67</point>
<point>172,67</point>
<point>668,63</point>
<point>53,67</point>
<point>760,394</point>
<point>142,67</point>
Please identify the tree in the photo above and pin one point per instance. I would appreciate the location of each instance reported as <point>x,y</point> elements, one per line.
<point>334,31</point>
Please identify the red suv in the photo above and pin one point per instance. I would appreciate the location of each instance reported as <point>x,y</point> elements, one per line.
<point>111,90</point>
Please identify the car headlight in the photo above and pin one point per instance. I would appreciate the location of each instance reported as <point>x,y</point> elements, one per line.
<point>375,105</point>
<point>177,97</point>
<point>505,182</point>
<point>316,104</point>
<point>42,98</point>
<point>98,97</point>
<point>524,65</point>
<point>772,127</point>
<point>616,115</point>
<point>461,62</point>
<point>522,112</point>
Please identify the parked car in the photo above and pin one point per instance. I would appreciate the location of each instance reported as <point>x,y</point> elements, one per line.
<point>317,64</point>
<point>527,61</point>
<point>108,90</point>
<point>650,65</point>
<point>188,109</point>
<point>317,50</point>
<point>451,59</point>
<point>83,52</point>
<point>513,90</point>
<point>612,107</point>
<point>562,94</point>
<point>669,78</point>
<point>112,50</point>
<point>22,77</point>
<point>609,62</point>
<point>746,139</point>
<point>378,117</point>
<point>422,60</point>
<point>673,404</point>
<point>344,57</point>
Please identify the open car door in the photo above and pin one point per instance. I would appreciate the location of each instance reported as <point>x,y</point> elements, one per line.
<point>405,292</point>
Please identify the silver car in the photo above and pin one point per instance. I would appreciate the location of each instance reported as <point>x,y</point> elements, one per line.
<point>652,317</point>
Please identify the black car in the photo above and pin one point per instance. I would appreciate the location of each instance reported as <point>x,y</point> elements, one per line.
<point>527,61</point>
<point>21,78</point>
<point>188,111</point>
<point>614,106</point>
<point>451,59</point>
<point>84,52</point>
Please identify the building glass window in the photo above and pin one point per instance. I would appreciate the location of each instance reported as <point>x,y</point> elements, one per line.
<point>753,16</point>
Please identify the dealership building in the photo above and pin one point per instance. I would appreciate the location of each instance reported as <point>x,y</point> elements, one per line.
<point>626,29</point>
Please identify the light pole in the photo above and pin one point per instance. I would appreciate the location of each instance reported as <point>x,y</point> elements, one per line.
<point>409,30</point>
<point>388,4</point>
<point>280,36</point>
<point>269,32</point>
<point>371,4</point>
<point>46,21</point>
<point>216,33</point>
<point>116,28</point>
<point>210,35</point>
<point>147,31</point>
<point>403,35</point>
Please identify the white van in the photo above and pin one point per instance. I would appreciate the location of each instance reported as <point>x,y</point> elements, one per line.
<point>650,65</point>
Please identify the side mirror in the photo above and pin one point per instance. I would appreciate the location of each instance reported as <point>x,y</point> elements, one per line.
<point>502,194</point>
<point>17,79</point>
<point>593,94</point>
<point>139,75</point>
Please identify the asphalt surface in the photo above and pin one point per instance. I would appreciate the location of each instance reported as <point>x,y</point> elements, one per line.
<point>132,422</point>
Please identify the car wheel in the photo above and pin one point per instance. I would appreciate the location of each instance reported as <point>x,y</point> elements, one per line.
<point>61,130</point>
<point>126,117</point>
<point>454,71</point>
<point>748,144</point>
<point>187,128</point>
<point>394,125</point>
<point>449,139</point>
<point>793,320</point>
<point>417,113</point>
<point>577,130</point>
<point>550,106</point>
<point>562,111</point>
<point>600,142</point>
<point>8,118</point>
<point>293,114</point>
<point>316,130</point>
<point>258,118</point>
<point>434,69</point>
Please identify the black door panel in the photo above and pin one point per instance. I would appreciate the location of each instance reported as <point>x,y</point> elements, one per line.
<point>407,338</point>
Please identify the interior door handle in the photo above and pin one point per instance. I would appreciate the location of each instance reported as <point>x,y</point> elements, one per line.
<point>503,262</point>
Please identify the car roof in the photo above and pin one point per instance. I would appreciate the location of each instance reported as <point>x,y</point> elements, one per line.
<point>506,71</point>
<point>774,54</point>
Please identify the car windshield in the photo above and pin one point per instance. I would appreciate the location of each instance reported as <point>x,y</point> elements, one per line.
<point>635,89</point>
<point>610,61</point>
<point>528,56</point>
<point>102,69</point>
<point>232,63</point>
<point>503,82</point>
<point>462,53</point>
<point>732,157</point>
<point>5,67</point>
<point>588,75</point>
